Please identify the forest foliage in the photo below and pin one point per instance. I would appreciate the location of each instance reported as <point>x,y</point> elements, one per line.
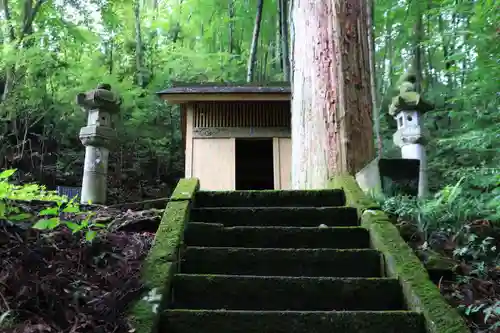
<point>51,50</point>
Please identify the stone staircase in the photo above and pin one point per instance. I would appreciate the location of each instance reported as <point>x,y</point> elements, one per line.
<point>282,262</point>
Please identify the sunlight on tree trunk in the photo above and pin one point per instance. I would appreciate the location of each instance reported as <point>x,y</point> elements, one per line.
<point>331,103</point>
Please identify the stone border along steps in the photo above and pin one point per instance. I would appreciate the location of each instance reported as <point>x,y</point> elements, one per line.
<point>281,262</point>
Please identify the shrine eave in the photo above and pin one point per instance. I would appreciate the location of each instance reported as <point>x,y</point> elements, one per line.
<point>185,93</point>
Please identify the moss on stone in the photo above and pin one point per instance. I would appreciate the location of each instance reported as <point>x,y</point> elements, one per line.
<point>142,316</point>
<point>195,321</point>
<point>216,235</point>
<point>277,216</point>
<point>401,262</point>
<point>236,292</point>
<point>355,196</point>
<point>161,262</point>
<point>282,262</point>
<point>267,198</point>
<point>185,189</point>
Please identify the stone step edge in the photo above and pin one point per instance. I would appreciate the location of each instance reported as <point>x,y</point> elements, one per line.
<point>282,278</point>
<point>258,321</point>
<point>283,250</point>
<point>332,197</point>
<point>271,208</point>
<point>277,312</point>
<point>271,227</point>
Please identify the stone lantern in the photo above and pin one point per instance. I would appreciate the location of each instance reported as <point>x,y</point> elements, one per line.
<point>408,108</point>
<point>98,136</point>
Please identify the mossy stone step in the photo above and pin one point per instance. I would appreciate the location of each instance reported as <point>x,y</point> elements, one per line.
<point>289,198</point>
<point>282,262</point>
<point>278,216</point>
<point>206,321</point>
<point>214,234</point>
<point>231,292</point>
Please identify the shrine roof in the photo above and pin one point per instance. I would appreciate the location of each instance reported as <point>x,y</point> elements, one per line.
<point>217,91</point>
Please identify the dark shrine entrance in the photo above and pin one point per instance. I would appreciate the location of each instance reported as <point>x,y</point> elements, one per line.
<point>254,164</point>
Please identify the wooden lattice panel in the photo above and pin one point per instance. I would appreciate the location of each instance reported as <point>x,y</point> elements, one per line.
<point>243,114</point>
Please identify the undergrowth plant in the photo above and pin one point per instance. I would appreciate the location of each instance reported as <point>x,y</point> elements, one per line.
<point>468,215</point>
<point>448,209</point>
<point>49,218</point>
<point>6,319</point>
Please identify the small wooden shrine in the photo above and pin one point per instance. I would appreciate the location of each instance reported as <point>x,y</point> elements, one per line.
<point>236,137</point>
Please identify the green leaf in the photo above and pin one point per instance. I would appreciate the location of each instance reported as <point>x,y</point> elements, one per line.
<point>71,209</point>
<point>7,173</point>
<point>5,189</point>
<point>99,225</point>
<point>90,235</point>
<point>44,224</point>
<point>19,217</point>
<point>3,209</point>
<point>74,227</point>
<point>49,211</point>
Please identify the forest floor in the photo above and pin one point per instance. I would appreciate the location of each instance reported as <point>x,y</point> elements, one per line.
<point>57,281</point>
<point>467,272</point>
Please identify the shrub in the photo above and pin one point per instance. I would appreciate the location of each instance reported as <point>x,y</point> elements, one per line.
<point>48,218</point>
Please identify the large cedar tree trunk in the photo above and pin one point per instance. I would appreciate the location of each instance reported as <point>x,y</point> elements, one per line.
<point>331,103</point>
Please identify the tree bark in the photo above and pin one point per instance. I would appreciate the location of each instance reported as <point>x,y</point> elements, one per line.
<point>331,104</point>
<point>252,59</point>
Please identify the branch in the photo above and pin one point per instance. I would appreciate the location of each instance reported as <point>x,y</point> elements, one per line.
<point>30,17</point>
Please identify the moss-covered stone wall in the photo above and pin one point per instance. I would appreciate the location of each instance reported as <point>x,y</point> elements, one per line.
<point>401,262</point>
<point>161,263</point>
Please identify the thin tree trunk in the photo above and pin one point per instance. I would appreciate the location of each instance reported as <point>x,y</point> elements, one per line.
<point>153,36</point>
<point>10,29</point>
<point>277,58</point>
<point>389,69</point>
<point>418,30</point>
<point>291,25</point>
<point>231,26</point>
<point>252,59</point>
<point>285,53</point>
<point>264,69</point>
<point>371,57</point>
<point>331,104</point>
<point>30,11</point>
<point>139,55</point>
